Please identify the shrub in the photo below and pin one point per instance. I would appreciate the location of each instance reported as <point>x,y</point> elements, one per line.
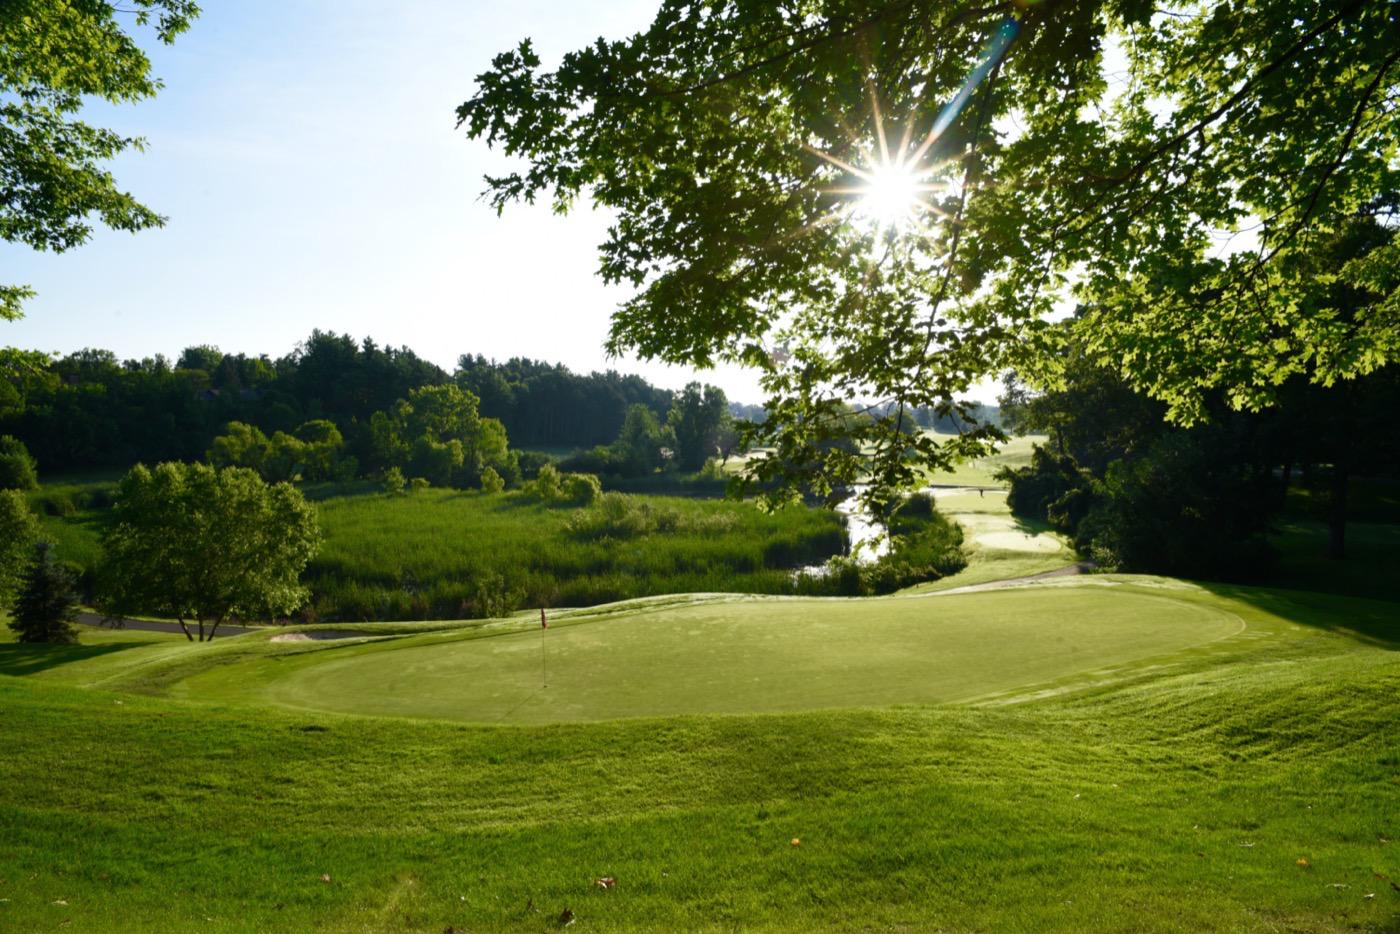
<point>393,481</point>
<point>547,485</point>
<point>17,469</point>
<point>491,481</point>
<point>582,489</point>
<point>418,484</point>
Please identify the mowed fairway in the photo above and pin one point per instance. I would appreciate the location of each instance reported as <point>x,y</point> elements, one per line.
<point>731,657</point>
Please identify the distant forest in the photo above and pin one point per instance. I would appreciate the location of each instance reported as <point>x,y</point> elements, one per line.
<point>90,410</point>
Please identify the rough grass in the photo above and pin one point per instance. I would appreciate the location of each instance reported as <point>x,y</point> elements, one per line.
<point>445,554</point>
<point>1251,787</point>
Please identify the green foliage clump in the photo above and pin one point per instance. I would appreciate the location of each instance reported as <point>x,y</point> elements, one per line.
<point>438,433</point>
<point>46,605</point>
<point>394,482</point>
<point>553,486</point>
<point>492,482</point>
<point>924,546</point>
<point>193,542</point>
<point>1053,488</point>
<point>53,57</point>
<point>17,469</point>
<point>418,484</point>
<point>18,528</point>
<point>313,453</point>
<point>582,489</point>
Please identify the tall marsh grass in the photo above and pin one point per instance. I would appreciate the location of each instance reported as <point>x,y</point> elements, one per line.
<point>440,554</point>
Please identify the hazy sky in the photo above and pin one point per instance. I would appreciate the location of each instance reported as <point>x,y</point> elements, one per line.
<point>306,155</point>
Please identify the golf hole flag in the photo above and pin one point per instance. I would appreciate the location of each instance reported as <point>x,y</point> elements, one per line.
<point>544,623</point>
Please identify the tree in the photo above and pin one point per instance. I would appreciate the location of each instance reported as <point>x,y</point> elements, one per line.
<point>438,434</point>
<point>637,449</point>
<point>53,55</point>
<point>46,606</point>
<point>697,419</point>
<point>17,469</point>
<point>193,542</point>
<point>880,203</point>
<point>18,527</point>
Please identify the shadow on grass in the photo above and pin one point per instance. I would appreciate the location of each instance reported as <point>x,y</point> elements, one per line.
<point>1376,622</point>
<point>26,659</point>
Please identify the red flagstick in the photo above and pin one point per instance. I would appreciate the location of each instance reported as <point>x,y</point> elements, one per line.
<point>544,672</point>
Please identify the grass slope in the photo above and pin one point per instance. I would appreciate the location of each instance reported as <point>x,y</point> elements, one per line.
<point>1180,797</point>
<point>745,656</point>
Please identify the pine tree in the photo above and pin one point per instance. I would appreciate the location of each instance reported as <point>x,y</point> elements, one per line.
<point>46,606</point>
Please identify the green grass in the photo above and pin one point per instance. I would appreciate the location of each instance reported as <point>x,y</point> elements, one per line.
<point>430,554</point>
<point>998,545</point>
<point>1371,567</point>
<point>1176,792</point>
<point>742,656</point>
<point>1015,453</point>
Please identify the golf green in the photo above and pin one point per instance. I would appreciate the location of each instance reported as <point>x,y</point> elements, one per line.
<point>742,656</point>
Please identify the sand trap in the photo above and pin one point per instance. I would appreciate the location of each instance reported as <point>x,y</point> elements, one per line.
<point>316,635</point>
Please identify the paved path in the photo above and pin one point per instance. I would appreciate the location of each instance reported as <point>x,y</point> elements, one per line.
<point>97,619</point>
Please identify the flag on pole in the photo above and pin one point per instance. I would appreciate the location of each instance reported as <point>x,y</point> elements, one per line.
<point>544,623</point>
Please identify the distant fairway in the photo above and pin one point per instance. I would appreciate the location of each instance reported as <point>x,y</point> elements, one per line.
<point>750,656</point>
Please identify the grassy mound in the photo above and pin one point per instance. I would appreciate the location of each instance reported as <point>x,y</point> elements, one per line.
<point>747,656</point>
<point>1245,785</point>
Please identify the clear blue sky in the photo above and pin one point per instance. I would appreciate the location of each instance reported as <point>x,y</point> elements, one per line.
<point>306,155</point>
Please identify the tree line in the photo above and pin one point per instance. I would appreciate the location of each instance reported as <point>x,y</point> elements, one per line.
<point>90,410</point>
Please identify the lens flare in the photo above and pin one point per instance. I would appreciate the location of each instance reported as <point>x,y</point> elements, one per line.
<point>890,196</point>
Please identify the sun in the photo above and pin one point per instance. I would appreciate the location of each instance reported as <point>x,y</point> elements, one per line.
<point>891,195</point>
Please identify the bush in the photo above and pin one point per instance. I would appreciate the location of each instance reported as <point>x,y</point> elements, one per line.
<point>393,481</point>
<point>547,485</point>
<point>1053,488</point>
<point>18,470</point>
<point>491,481</point>
<point>582,489</point>
<point>418,484</point>
<point>530,463</point>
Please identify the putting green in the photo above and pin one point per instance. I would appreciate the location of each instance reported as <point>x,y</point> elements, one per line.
<point>740,657</point>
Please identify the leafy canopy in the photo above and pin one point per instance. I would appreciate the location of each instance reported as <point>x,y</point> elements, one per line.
<point>1101,153</point>
<point>193,542</point>
<point>54,54</point>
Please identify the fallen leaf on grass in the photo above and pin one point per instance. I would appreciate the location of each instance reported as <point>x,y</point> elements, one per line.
<point>1369,895</point>
<point>796,841</point>
<point>607,882</point>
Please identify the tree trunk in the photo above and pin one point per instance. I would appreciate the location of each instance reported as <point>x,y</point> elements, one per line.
<point>1287,481</point>
<point>201,629</point>
<point>214,628</point>
<point>181,621</point>
<point>1337,512</point>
